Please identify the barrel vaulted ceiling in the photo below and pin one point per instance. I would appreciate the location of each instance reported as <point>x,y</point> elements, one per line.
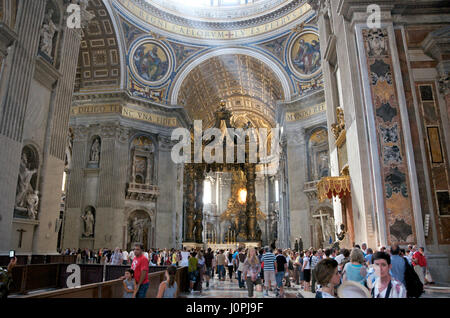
<point>246,83</point>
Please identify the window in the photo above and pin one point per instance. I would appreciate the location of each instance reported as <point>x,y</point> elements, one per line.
<point>277,191</point>
<point>207,192</point>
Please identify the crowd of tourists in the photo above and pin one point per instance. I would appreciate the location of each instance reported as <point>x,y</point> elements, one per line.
<point>386,273</point>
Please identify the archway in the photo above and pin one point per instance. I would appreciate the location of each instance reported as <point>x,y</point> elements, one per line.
<point>139,229</point>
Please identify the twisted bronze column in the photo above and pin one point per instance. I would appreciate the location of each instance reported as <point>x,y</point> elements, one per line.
<point>250,173</point>
<point>199,178</point>
<point>190,202</point>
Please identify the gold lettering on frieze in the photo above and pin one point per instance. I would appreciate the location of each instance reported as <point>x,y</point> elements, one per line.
<point>214,34</point>
<point>95,109</point>
<point>151,118</point>
<point>126,112</point>
<point>306,113</point>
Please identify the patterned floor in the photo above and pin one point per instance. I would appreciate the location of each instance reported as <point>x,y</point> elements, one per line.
<point>230,289</point>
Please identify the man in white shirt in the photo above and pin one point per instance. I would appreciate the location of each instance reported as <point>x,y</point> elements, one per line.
<point>340,257</point>
<point>125,257</point>
<point>185,258</point>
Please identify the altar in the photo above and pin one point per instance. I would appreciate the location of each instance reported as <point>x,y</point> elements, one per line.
<point>242,213</point>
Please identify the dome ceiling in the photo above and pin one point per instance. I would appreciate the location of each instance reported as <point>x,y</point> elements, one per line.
<point>218,10</point>
<point>258,19</point>
<point>249,87</point>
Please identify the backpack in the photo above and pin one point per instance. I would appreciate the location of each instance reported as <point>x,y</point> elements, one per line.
<point>414,287</point>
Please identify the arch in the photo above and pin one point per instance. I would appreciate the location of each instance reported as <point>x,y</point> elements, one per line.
<point>279,72</point>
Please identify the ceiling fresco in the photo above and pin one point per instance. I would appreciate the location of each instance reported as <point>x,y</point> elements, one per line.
<point>163,68</point>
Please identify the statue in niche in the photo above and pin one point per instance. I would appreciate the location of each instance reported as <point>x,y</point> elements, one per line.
<point>24,185</point>
<point>273,224</point>
<point>32,204</point>
<point>95,151</point>
<point>89,222</point>
<point>318,232</point>
<point>137,230</point>
<point>48,31</point>
<point>323,164</point>
<point>258,233</point>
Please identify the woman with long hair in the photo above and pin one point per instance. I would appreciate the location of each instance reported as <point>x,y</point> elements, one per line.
<point>201,269</point>
<point>252,269</point>
<point>169,288</point>
<point>230,265</point>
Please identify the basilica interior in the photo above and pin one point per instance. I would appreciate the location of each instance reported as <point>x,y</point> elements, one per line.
<point>356,92</point>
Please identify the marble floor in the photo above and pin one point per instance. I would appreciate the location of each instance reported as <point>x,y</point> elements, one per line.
<point>230,289</point>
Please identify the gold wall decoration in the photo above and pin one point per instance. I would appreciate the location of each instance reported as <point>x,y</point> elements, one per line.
<point>338,128</point>
<point>329,187</point>
<point>306,113</point>
<point>125,112</point>
<point>207,34</point>
<point>435,145</point>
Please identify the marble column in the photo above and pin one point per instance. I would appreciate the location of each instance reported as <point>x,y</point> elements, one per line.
<point>14,96</point>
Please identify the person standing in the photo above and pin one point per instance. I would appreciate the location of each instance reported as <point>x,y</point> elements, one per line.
<point>184,257</point>
<point>116,257</point>
<point>140,268</point>
<point>129,285</point>
<point>355,270</point>
<point>385,286</point>
<point>230,265</point>
<point>314,261</point>
<point>124,258</point>
<point>201,269</point>
<point>280,270</point>
<point>169,287</point>
<point>240,259</point>
<point>328,278</point>
<point>251,270</point>
<point>221,260</point>
<point>269,269</point>
<point>209,256</point>
<point>419,263</point>
<point>192,271</point>
<point>306,269</point>
<point>398,264</point>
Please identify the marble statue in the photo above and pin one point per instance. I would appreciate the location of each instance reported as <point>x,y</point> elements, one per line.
<point>32,204</point>
<point>89,221</point>
<point>300,244</point>
<point>296,246</point>
<point>137,230</point>
<point>24,185</point>
<point>48,31</point>
<point>95,151</point>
